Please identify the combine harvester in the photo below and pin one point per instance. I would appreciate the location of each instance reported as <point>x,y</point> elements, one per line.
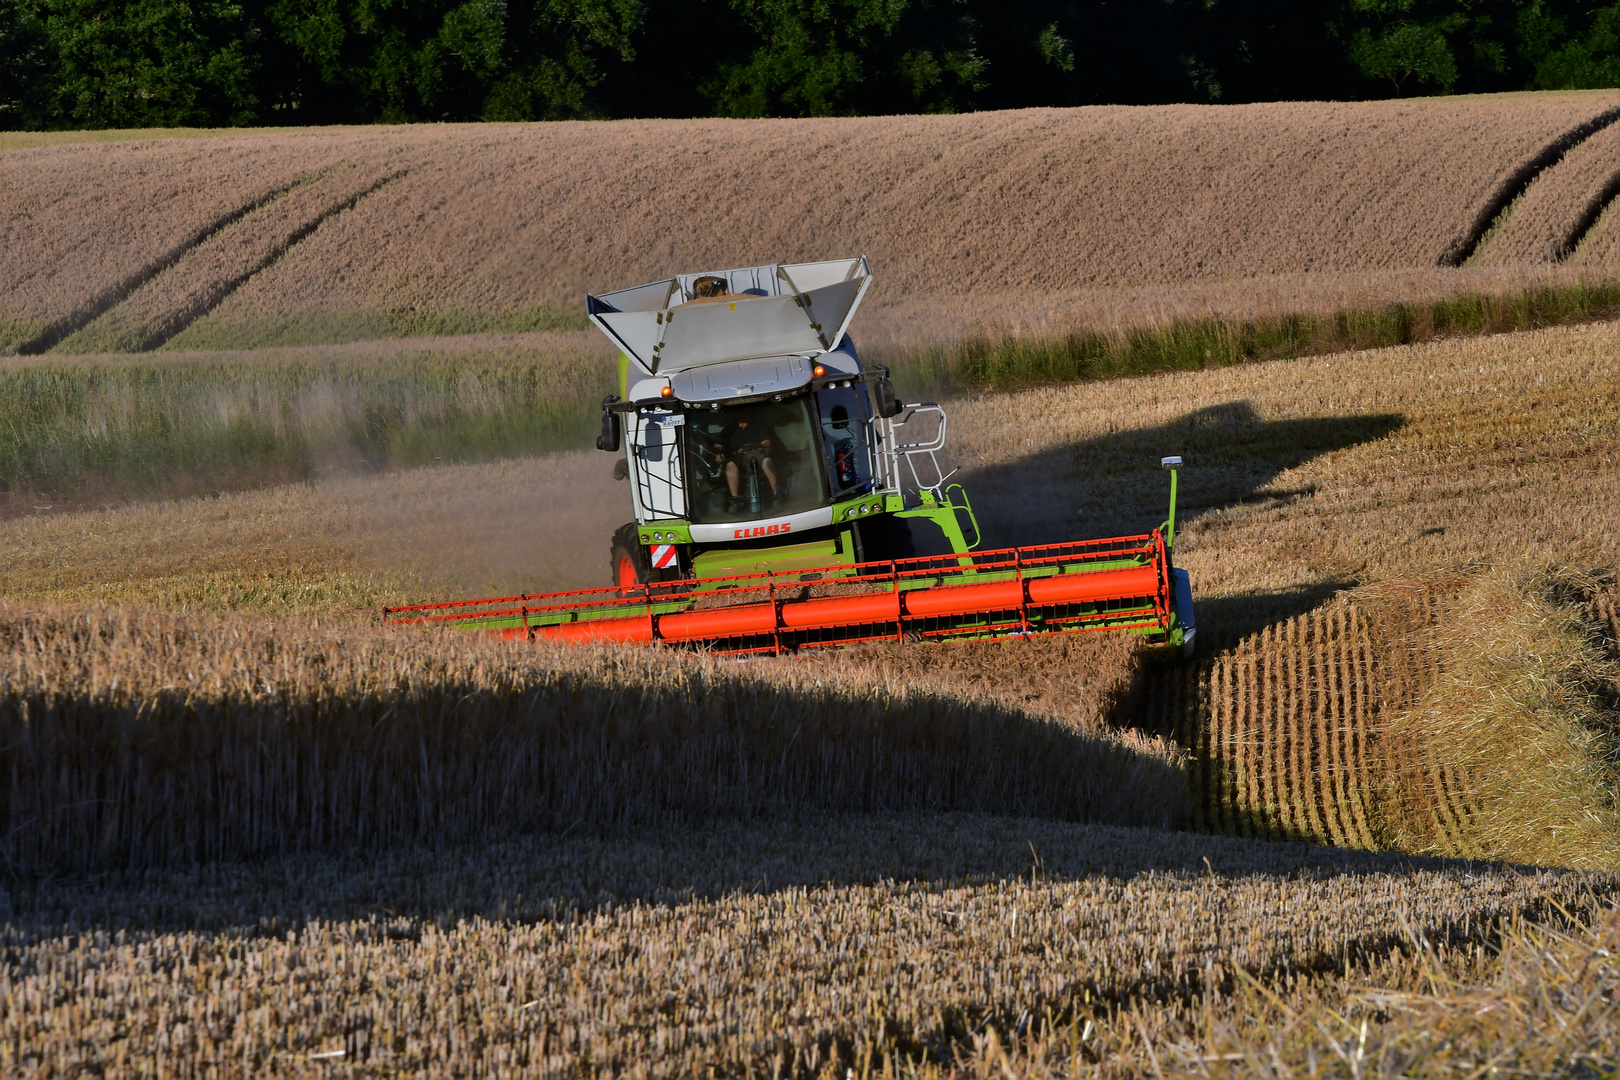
<point>783,502</point>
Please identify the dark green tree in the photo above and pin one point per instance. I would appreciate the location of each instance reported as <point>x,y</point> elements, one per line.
<point>1573,46</point>
<point>26,67</point>
<point>842,57</point>
<point>388,60</point>
<point>141,63</point>
<point>404,60</point>
<point>553,57</point>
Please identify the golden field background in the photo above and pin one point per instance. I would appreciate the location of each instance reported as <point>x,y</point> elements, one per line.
<point>1040,221</point>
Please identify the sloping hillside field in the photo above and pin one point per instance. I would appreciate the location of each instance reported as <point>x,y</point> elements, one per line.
<point>254,386</point>
<point>302,237</point>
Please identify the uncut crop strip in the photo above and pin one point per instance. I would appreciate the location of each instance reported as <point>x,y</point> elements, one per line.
<point>107,430</point>
<point>216,267</point>
<point>130,739</point>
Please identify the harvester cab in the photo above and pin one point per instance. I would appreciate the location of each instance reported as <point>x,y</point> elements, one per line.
<point>755,440</point>
<point>785,498</point>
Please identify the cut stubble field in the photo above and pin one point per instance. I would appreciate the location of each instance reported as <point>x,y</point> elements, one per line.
<point>939,945</point>
<point>1301,477</point>
<point>1318,494</point>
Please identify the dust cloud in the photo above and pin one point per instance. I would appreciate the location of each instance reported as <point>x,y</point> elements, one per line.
<point>526,525</point>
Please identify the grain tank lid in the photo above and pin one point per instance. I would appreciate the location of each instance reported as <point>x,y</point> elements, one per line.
<point>779,309</point>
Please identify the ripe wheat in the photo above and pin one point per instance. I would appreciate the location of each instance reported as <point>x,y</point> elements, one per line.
<point>1043,201</point>
<point>204,276</point>
<point>1550,219</point>
<point>138,739</point>
<point>79,223</point>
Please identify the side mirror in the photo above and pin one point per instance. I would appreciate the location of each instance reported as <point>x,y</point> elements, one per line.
<point>611,430</point>
<point>887,404</point>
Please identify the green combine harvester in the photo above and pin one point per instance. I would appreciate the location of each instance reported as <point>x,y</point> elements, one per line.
<point>785,497</point>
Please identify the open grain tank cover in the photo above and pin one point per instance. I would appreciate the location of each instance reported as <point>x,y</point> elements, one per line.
<point>776,310</point>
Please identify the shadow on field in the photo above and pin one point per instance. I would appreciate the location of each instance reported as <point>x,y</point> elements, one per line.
<point>1113,485</point>
<point>502,743</point>
<point>540,876</point>
<point>1224,620</point>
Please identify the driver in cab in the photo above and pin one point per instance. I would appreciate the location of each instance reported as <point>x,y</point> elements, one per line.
<point>748,440</point>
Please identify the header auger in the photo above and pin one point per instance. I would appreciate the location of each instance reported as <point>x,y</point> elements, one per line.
<point>785,498</point>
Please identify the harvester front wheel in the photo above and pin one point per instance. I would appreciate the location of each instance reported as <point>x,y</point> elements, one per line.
<point>628,560</point>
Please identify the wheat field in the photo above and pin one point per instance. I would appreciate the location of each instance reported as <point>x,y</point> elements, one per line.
<point>1553,220</point>
<point>1370,830</point>
<point>1053,219</point>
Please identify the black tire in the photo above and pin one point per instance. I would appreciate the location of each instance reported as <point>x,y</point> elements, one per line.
<point>628,559</point>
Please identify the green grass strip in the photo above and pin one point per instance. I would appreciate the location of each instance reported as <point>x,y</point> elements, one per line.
<point>1190,345</point>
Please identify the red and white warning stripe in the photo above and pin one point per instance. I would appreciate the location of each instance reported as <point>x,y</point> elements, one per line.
<point>663,556</point>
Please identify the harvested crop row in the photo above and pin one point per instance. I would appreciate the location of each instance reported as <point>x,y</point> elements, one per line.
<point>495,961</point>
<point>131,739</point>
<point>1517,738</point>
<point>1291,726</point>
<point>209,272</point>
<point>1463,716</point>
<point>1550,219</point>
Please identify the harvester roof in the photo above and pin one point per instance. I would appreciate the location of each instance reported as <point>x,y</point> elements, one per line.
<point>720,316</point>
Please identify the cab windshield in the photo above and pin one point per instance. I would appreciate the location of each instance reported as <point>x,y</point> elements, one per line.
<point>747,462</point>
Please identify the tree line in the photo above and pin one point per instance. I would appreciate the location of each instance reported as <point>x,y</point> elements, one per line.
<point>159,63</point>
